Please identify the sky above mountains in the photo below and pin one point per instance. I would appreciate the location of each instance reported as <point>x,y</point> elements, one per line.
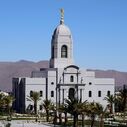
<point>99,30</point>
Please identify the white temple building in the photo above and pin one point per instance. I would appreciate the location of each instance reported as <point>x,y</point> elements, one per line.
<point>63,79</point>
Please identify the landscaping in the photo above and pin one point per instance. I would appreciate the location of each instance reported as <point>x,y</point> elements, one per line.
<point>73,112</point>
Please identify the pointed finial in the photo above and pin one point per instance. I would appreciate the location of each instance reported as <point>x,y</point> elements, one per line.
<point>62,16</point>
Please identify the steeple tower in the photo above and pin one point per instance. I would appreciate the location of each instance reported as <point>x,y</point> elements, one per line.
<point>61,46</point>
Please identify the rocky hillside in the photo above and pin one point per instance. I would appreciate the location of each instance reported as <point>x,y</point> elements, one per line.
<point>120,77</point>
<point>23,68</point>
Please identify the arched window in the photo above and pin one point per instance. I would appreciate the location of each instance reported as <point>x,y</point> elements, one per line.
<point>71,78</point>
<point>90,93</point>
<point>52,93</point>
<point>31,93</point>
<point>108,93</point>
<point>31,107</point>
<point>99,93</point>
<point>52,52</point>
<point>64,51</point>
<point>41,93</point>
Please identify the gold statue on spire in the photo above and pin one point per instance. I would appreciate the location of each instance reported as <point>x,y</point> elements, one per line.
<point>62,12</point>
<point>62,16</point>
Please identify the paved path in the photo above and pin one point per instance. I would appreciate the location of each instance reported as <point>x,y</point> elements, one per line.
<point>24,124</point>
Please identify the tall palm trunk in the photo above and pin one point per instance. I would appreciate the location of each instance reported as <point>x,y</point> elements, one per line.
<point>65,118</point>
<point>75,122</point>
<point>111,109</point>
<point>47,116</point>
<point>8,109</point>
<point>35,108</point>
<point>82,120</point>
<point>60,118</point>
<point>101,120</point>
<point>55,118</point>
<point>92,120</point>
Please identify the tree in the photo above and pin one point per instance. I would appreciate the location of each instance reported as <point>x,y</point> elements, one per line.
<point>122,99</point>
<point>47,105</point>
<point>63,109</point>
<point>74,107</point>
<point>1,101</point>
<point>92,111</point>
<point>101,112</point>
<point>35,98</point>
<point>110,100</point>
<point>83,111</point>
<point>8,100</point>
<point>119,103</point>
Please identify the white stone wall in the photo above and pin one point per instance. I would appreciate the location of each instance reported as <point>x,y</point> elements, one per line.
<point>87,82</point>
<point>35,84</point>
<point>52,85</point>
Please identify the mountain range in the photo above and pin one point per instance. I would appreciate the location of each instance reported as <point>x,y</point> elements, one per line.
<point>23,68</point>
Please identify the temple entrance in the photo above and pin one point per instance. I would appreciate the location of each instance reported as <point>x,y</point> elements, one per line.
<point>71,93</point>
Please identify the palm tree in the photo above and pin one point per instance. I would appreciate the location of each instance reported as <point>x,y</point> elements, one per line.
<point>48,105</point>
<point>110,100</point>
<point>83,110</point>
<point>54,111</point>
<point>74,107</point>
<point>92,111</point>
<point>123,98</point>
<point>101,112</point>
<point>120,101</point>
<point>35,98</point>
<point>95,109</point>
<point>63,109</point>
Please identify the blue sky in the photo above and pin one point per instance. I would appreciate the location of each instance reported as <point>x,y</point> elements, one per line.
<point>99,29</point>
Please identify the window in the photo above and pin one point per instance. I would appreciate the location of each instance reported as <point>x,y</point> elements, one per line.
<point>52,83</point>
<point>31,93</point>
<point>52,51</point>
<point>40,107</point>
<point>52,93</point>
<point>81,95</point>
<point>90,93</point>
<point>90,83</point>
<point>71,78</point>
<point>99,93</point>
<point>41,93</point>
<point>31,107</point>
<point>64,51</point>
<point>108,93</point>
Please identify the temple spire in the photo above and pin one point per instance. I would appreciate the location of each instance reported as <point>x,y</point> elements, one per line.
<point>62,16</point>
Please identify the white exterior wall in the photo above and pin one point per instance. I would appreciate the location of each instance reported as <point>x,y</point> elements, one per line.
<point>52,85</point>
<point>35,84</point>
<point>87,82</point>
<point>84,80</point>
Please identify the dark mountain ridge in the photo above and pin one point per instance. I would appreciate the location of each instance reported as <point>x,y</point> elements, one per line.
<point>23,68</point>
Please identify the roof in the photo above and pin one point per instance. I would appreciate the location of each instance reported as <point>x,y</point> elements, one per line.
<point>62,30</point>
